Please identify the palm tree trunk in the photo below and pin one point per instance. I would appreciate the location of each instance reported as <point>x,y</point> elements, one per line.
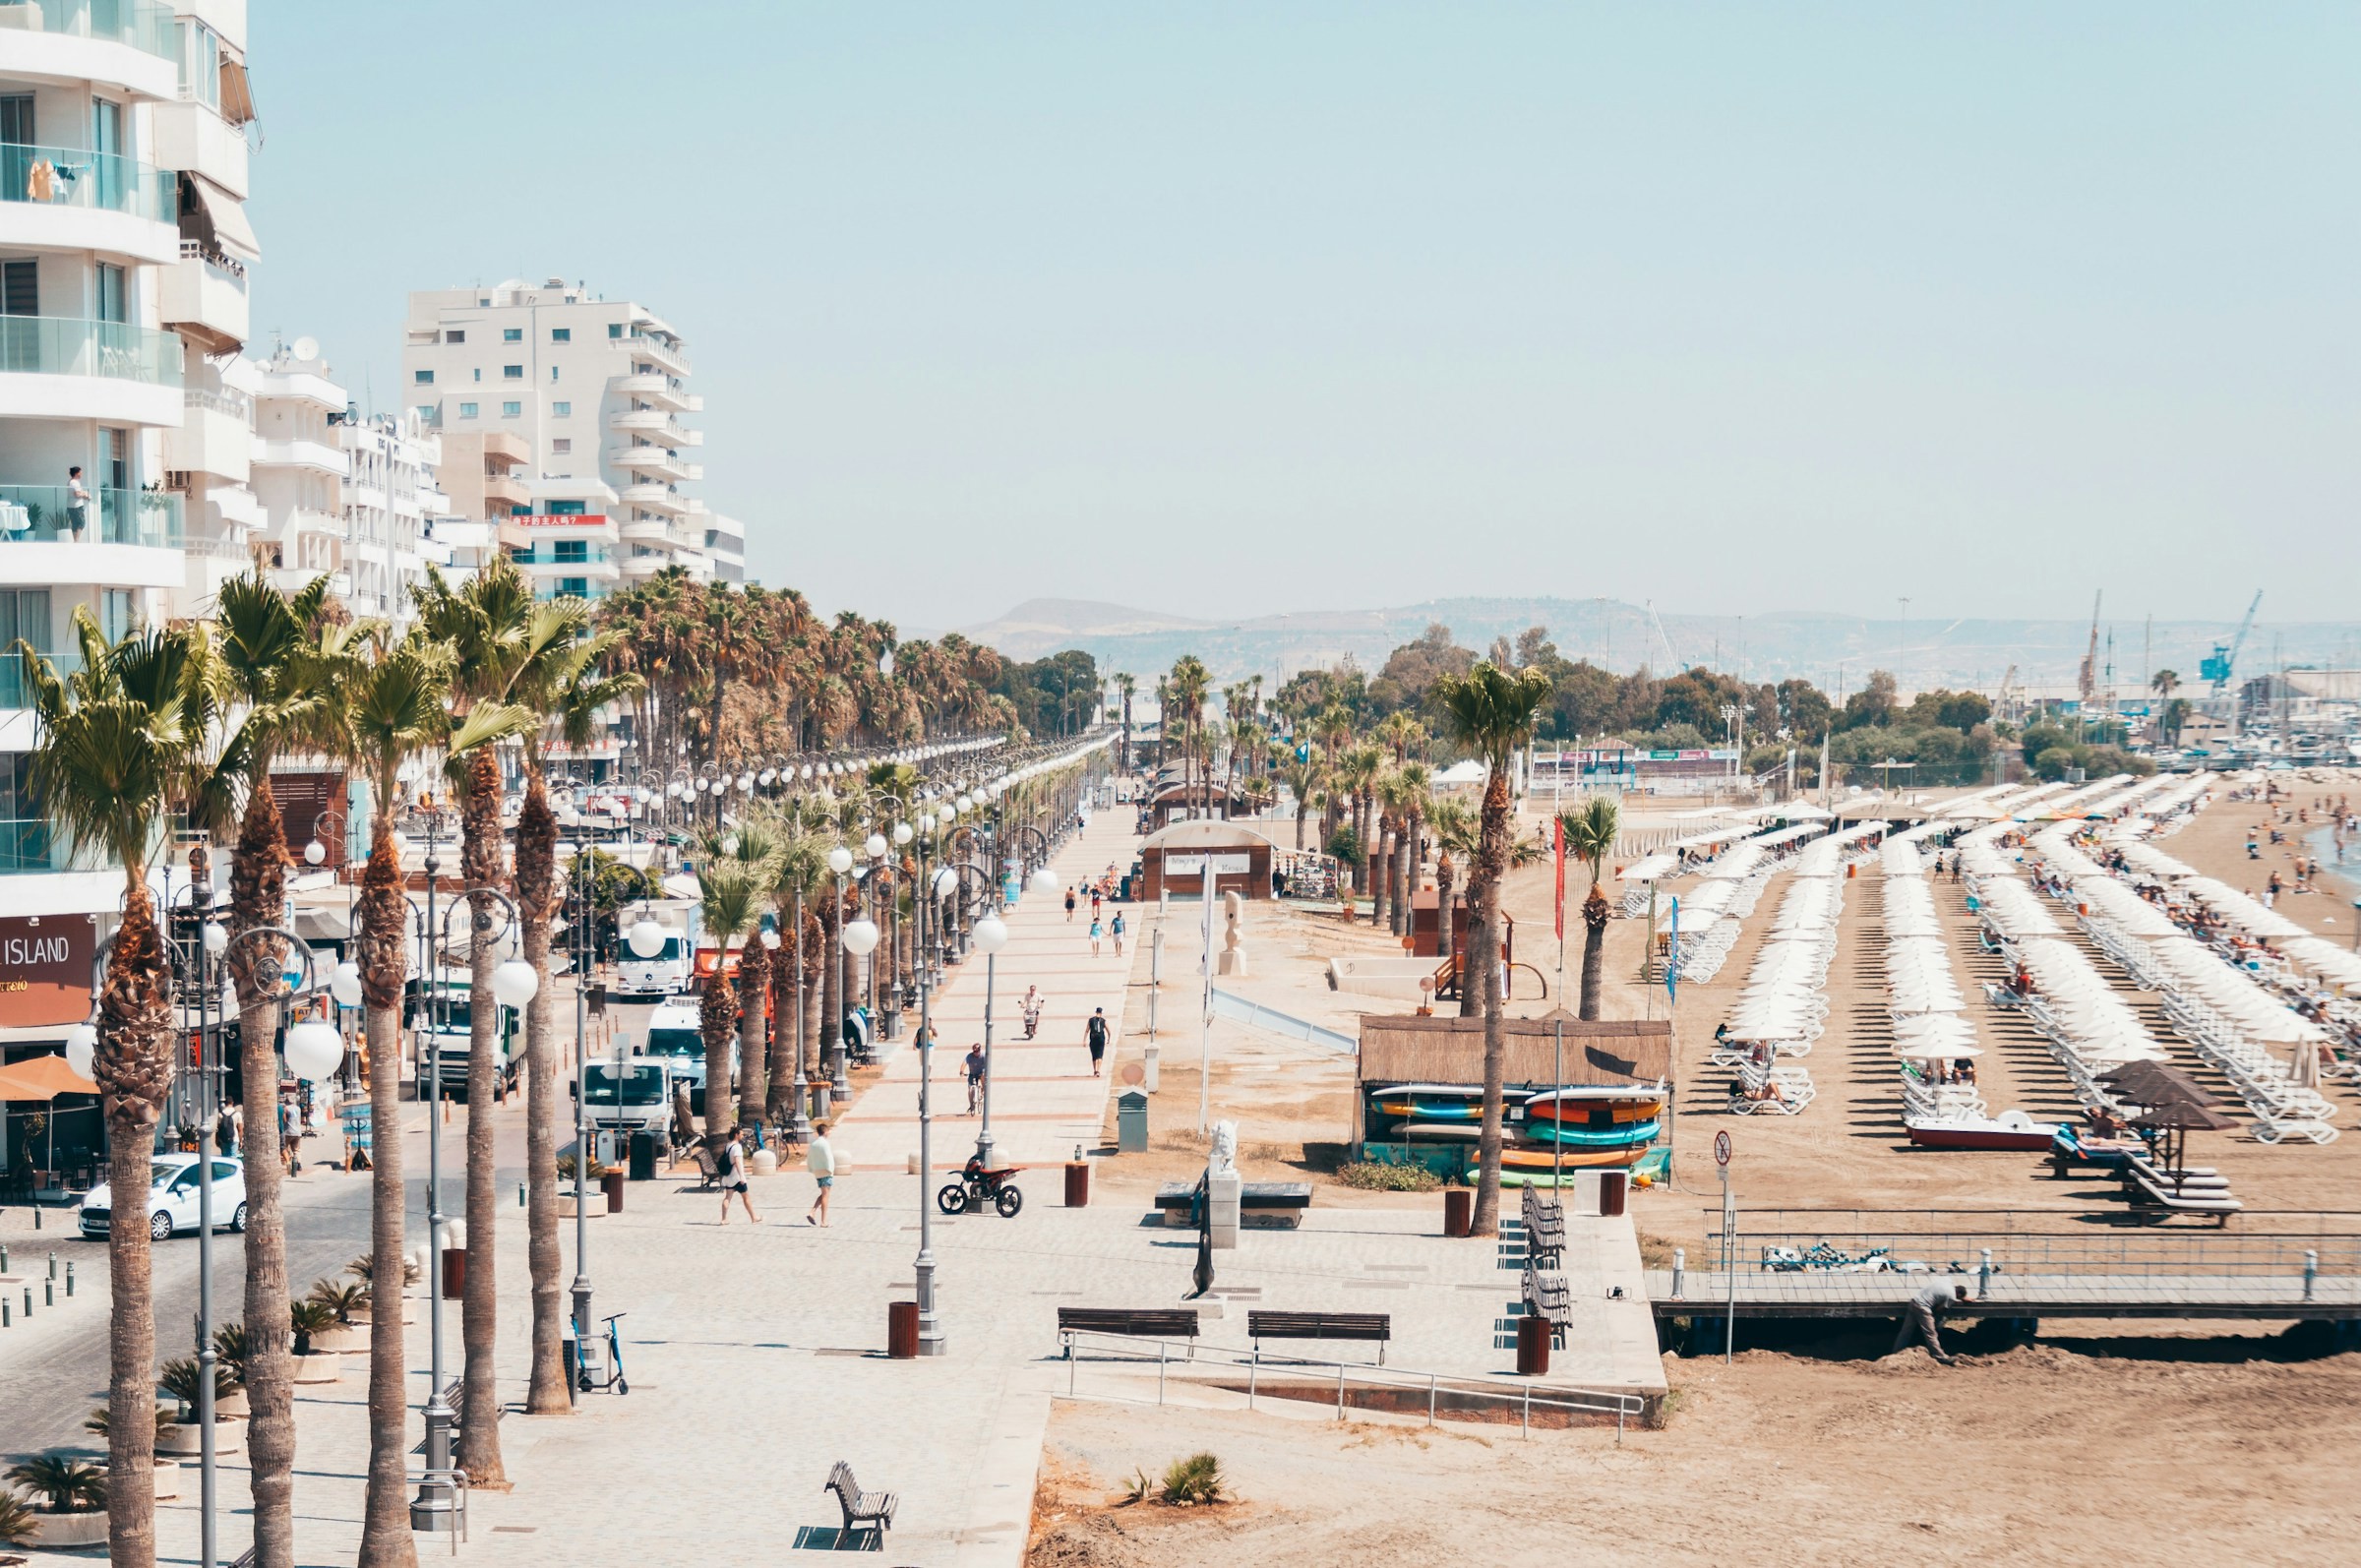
<point>1471,992</point>
<point>1443,931</point>
<point>754,1063</point>
<point>717,1022</point>
<point>786,1016</point>
<point>1492,865</point>
<point>813,982</point>
<point>1303,810</point>
<point>479,1302</point>
<point>1398,902</point>
<point>536,898</point>
<point>134,1069</point>
<point>257,899</point>
<point>386,1540</point>
<point>1594,950</point>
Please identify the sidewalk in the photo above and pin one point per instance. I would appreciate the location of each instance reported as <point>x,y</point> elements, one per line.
<point>1044,1099</point>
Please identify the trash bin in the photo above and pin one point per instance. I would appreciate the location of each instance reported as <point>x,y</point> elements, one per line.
<point>1532,1346</point>
<point>1131,1122</point>
<point>644,1157</point>
<point>454,1273</point>
<point>1611,1191</point>
<point>901,1330</point>
<point>611,1183</point>
<point>1077,1183</point>
<point>1459,1211</point>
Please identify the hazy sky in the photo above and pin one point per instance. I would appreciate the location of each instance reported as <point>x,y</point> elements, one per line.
<point>1231,309</point>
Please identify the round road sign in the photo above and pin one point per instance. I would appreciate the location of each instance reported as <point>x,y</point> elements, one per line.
<point>1720,1148</point>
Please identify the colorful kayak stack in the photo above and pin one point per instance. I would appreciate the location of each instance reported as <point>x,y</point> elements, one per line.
<point>1544,1130</point>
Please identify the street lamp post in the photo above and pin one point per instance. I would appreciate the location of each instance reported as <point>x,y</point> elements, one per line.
<point>840,862</point>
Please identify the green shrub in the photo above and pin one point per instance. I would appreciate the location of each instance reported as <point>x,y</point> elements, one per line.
<point>65,1485</point>
<point>182,1378</point>
<point>1389,1177</point>
<point>342,1300</point>
<point>230,1350</point>
<point>1193,1481</point>
<point>307,1318</point>
<point>17,1522</point>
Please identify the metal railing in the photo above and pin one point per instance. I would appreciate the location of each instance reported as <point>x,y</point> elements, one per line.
<point>2039,1242</point>
<point>34,514</point>
<point>69,176</point>
<point>236,404</point>
<point>145,25</point>
<point>1445,1392</point>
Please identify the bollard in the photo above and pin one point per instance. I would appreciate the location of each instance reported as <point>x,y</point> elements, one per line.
<point>4,1312</point>
<point>2311,1271</point>
<point>28,1301</point>
<point>3,1257</point>
<point>521,1194</point>
<point>69,1279</point>
<point>53,1265</point>
<point>1983,1276</point>
<point>48,1293</point>
<point>1680,1269</point>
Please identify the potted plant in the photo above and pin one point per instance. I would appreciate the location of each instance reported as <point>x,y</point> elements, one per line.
<point>312,1364</point>
<point>20,1526</point>
<point>70,1500</point>
<point>363,1268</point>
<point>180,1380</point>
<point>349,1301</point>
<point>229,1355</point>
<point>167,1469</point>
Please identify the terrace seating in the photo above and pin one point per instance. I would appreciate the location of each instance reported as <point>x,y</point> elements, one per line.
<point>1364,1327</point>
<point>1546,1296</point>
<point>1151,1323</point>
<point>858,1506</point>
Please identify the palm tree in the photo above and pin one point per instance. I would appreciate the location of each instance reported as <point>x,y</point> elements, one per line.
<point>1591,834</point>
<point>282,661</point>
<point>565,682</point>
<point>1192,681</point>
<point>753,851</point>
<point>730,906</point>
<point>799,875</point>
<point>396,712</point>
<point>1455,833</point>
<point>2166,681</point>
<point>1303,777</point>
<point>1417,788</point>
<point>117,745</point>
<point>1490,711</point>
<point>1128,684</point>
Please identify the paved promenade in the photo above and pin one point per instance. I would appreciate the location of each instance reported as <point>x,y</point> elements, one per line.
<point>1044,1100</point>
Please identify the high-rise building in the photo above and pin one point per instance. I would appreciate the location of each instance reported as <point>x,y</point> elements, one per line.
<point>595,389</point>
<point>123,249</point>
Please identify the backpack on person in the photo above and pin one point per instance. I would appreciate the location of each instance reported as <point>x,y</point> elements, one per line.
<point>1098,1030</point>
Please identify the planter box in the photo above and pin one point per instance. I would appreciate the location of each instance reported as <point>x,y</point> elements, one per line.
<point>69,1530</point>
<point>233,1403</point>
<point>344,1339</point>
<point>321,1366</point>
<point>182,1440</point>
<point>167,1480</point>
<point>594,1204</point>
<point>364,1316</point>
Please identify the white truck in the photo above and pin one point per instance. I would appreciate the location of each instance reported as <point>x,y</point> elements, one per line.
<point>676,1037</point>
<point>672,968</point>
<point>445,1039</point>
<point>629,1094</point>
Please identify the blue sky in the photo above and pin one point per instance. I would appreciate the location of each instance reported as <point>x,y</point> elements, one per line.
<point>1227,309</point>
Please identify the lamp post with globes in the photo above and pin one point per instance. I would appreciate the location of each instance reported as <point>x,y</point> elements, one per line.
<point>840,864</point>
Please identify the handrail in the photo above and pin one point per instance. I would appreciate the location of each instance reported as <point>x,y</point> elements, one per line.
<point>1458,1385</point>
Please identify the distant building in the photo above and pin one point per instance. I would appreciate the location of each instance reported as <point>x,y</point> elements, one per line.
<point>593,389</point>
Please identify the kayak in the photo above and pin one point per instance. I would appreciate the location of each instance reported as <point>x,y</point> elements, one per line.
<point>1572,1159</point>
<point>1433,1110</point>
<point>1597,1116</point>
<point>1440,1131</point>
<point>1548,1132</point>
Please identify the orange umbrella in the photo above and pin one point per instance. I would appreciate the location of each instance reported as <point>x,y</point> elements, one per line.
<point>42,1078</point>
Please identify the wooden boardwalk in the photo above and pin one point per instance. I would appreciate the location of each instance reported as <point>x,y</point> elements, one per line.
<point>1820,1293</point>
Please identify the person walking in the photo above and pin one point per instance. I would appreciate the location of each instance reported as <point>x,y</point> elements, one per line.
<point>1097,930</point>
<point>1032,1010</point>
<point>1070,904</point>
<point>975,1075</point>
<point>1116,930</point>
<point>820,1161</point>
<point>1918,1319</point>
<point>729,1172</point>
<point>1096,1037</point>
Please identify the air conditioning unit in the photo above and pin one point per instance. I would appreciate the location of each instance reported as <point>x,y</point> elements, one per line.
<point>180,479</point>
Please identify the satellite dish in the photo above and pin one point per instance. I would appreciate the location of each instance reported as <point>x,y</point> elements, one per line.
<point>307,349</point>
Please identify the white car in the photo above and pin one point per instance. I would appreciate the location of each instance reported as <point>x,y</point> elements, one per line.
<point>172,1199</point>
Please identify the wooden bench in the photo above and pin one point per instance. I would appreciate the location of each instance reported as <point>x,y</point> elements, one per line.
<point>1365,1327</point>
<point>858,1506</point>
<point>1545,1229</point>
<point>1146,1323</point>
<point>1277,1205</point>
<point>1546,1295</point>
<point>455,1393</point>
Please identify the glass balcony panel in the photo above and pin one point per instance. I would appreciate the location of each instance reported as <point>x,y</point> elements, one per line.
<point>145,25</point>
<point>34,514</point>
<point>60,177</point>
<point>58,345</point>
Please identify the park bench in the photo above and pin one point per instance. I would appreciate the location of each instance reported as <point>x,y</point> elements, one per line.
<point>1275,1204</point>
<point>1545,1228</point>
<point>858,1506</point>
<point>1546,1296</point>
<point>1150,1322</point>
<point>455,1393</point>
<point>1365,1327</point>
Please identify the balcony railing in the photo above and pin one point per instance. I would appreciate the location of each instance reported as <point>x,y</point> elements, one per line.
<point>64,176</point>
<point>236,404</point>
<point>59,345</point>
<point>32,513</point>
<point>555,560</point>
<point>145,25</point>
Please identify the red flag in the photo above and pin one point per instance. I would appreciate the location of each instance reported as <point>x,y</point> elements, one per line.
<point>1557,835</point>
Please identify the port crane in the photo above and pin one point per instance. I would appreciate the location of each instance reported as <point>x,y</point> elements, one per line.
<point>2223,660</point>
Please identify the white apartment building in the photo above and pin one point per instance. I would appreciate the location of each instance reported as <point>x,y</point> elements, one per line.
<point>593,388</point>
<point>123,243</point>
<point>725,542</point>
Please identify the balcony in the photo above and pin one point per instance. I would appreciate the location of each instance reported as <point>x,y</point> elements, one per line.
<point>294,579</point>
<point>647,531</point>
<point>657,349</point>
<point>665,391</point>
<point>547,531</point>
<point>646,419</point>
<point>507,489</point>
<point>656,498</point>
<point>315,454</point>
<point>74,199</point>
<point>88,369</point>
<point>193,137</point>
<point>215,435</point>
<point>646,566</point>
<point>48,514</point>
<point>651,461</point>
<point>84,40</point>
<point>596,566</point>
<point>204,298</point>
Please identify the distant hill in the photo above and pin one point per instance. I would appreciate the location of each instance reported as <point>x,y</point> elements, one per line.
<point>1823,647</point>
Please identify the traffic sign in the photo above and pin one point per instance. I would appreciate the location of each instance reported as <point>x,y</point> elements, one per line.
<point>1721,1149</point>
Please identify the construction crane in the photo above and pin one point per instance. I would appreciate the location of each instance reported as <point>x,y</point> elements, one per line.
<point>2218,665</point>
<point>2087,682</point>
<point>2001,707</point>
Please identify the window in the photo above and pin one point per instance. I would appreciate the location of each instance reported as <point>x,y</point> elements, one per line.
<point>455,337</point>
<point>427,412</point>
<point>118,613</point>
<point>575,587</point>
<point>562,446</point>
<point>553,373</point>
<point>512,372</point>
<point>479,373</point>
<point>511,335</point>
<point>560,410</point>
<point>560,335</point>
<point>614,328</point>
<point>572,551</point>
<point>510,410</point>
<point>569,508</point>
<point>467,410</point>
<point>422,378</point>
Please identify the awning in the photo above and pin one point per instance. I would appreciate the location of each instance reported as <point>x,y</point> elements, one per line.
<point>237,93</point>
<point>211,214</point>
